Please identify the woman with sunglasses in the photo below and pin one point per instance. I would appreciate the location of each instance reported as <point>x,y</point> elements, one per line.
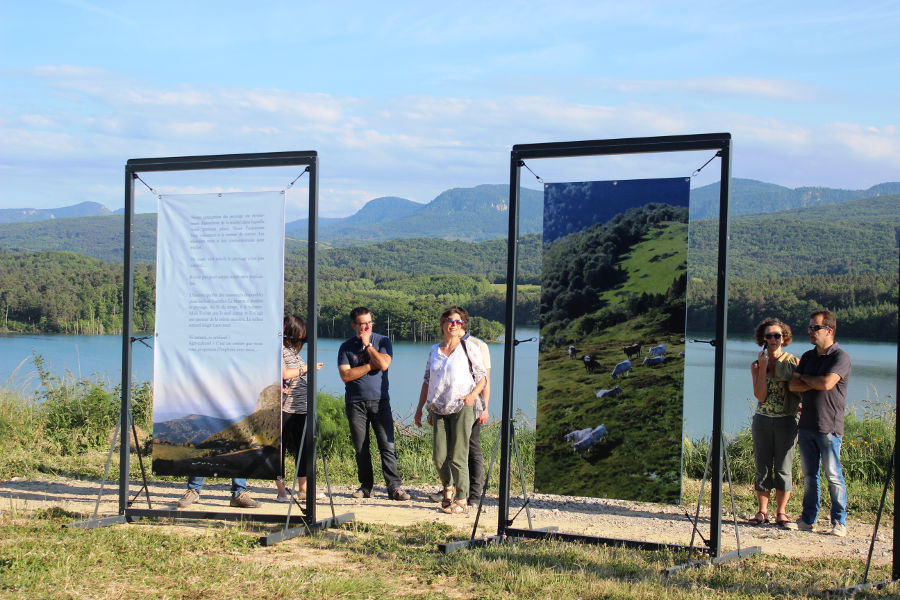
<point>293,400</point>
<point>454,378</point>
<point>774,426</point>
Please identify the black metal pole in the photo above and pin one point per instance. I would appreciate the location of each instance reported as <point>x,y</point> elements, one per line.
<point>312,329</point>
<point>127,314</point>
<point>506,424</point>
<point>715,517</point>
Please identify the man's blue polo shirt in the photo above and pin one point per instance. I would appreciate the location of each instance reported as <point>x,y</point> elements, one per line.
<point>373,385</point>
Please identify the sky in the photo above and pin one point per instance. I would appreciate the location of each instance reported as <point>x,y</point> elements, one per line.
<point>413,98</point>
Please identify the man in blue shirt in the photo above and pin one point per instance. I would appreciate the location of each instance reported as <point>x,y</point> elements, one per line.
<point>363,363</point>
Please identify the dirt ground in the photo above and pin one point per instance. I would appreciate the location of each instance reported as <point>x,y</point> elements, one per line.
<point>588,516</point>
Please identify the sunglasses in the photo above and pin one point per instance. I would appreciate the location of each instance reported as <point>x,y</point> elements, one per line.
<point>454,322</point>
<point>818,327</point>
<point>773,336</point>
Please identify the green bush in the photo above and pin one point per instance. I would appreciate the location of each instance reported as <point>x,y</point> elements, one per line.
<point>865,451</point>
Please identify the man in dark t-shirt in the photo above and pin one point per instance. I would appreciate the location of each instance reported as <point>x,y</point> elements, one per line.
<point>363,363</point>
<point>821,378</point>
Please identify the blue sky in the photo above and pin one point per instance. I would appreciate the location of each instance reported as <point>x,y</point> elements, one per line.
<point>410,98</point>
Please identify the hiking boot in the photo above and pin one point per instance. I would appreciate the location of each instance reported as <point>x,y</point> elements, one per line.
<point>804,526</point>
<point>399,494</point>
<point>188,498</point>
<point>361,493</point>
<point>839,529</point>
<point>244,500</point>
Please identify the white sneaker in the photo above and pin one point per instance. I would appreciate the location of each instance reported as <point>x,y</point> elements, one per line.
<point>839,529</point>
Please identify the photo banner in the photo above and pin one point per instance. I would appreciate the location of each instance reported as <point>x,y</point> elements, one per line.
<point>611,359</point>
<point>217,344</point>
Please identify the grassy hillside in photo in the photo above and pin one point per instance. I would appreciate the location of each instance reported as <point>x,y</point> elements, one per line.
<point>642,304</point>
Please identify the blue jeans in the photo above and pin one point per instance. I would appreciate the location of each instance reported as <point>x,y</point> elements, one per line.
<point>238,485</point>
<point>825,449</point>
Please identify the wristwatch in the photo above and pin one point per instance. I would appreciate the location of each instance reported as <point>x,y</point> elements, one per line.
<point>366,347</point>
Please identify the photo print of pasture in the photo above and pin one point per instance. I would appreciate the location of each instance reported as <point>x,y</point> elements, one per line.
<point>612,319</point>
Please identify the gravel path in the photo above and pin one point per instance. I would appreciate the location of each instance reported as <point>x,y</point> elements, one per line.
<point>588,516</point>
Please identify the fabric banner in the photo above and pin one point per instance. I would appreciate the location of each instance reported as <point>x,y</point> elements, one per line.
<point>217,345</point>
<point>611,359</point>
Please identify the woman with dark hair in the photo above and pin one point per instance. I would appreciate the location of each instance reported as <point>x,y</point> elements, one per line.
<point>454,378</point>
<point>774,426</point>
<point>293,400</point>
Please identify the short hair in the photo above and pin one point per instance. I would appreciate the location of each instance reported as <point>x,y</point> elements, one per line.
<point>463,314</point>
<point>293,332</point>
<point>786,335</point>
<point>827,318</point>
<point>358,312</point>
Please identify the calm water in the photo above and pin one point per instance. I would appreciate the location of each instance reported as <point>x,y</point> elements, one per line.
<point>874,372</point>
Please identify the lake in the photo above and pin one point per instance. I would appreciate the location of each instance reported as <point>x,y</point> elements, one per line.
<point>874,372</point>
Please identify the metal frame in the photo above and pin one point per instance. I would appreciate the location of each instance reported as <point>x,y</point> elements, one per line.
<point>719,142</point>
<point>194,163</point>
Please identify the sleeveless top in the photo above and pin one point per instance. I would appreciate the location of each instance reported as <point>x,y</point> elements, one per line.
<point>780,401</point>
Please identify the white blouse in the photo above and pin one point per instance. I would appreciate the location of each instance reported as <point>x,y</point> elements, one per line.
<point>449,378</point>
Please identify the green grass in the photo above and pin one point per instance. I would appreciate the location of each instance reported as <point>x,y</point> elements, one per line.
<point>40,558</point>
<point>651,263</point>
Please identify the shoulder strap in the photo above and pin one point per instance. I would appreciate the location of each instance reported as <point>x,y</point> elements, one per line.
<point>466,352</point>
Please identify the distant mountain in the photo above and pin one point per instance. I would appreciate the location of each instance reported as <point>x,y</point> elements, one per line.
<point>190,428</point>
<point>374,212</point>
<point>26,215</point>
<point>97,237</point>
<point>466,214</point>
<point>749,197</point>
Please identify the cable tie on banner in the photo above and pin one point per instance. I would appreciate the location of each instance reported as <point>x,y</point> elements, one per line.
<point>522,164</point>
<point>138,177</point>
<point>291,184</point>
<point>716,155</point>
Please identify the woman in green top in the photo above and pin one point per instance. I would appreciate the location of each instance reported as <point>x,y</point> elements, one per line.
<point>774,426</point>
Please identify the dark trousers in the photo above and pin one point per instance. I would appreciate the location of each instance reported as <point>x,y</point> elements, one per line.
<point>378,413</point>
<point>476,465</point>
<point>292,426</point>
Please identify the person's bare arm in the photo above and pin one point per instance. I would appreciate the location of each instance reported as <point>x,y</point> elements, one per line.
<point>758,372</point>
<point>349,373</point>
<point>486,397</point>
<point>378,360</point>
<point>423,395</point>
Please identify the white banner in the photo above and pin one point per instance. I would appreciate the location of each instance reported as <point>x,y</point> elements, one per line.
<point>217,346</point>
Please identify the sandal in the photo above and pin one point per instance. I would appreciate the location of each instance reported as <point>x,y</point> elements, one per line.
<point>449,493</point>
<point>458,507</point>
<point>759,519</point>
<point>785,522</point>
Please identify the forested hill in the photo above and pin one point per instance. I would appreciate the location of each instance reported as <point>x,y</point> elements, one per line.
<point>749,196</point>
<point>97,237</point>
<point>397,259</point>
<point>853,238</point>
<point>468,214</point>
<point>24,215</point>
<point>842,256</point>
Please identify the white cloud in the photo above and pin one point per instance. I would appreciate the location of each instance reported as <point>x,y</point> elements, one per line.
<point>410,146</point>
<point>876,143</point>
